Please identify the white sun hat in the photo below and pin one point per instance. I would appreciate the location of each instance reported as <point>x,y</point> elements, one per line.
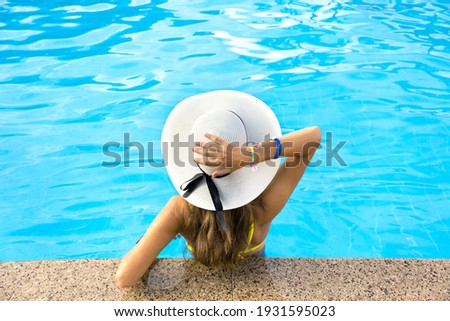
<point>233,116</point>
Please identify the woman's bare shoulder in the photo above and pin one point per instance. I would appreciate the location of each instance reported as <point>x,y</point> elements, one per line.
<point>180,208</point>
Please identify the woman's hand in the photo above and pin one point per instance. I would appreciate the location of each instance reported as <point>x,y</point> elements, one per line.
<point>220,153</point>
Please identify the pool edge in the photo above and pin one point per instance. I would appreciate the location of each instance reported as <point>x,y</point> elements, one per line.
<point>257,279</point>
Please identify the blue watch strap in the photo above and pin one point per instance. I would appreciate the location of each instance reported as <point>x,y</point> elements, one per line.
<point>278,152</point>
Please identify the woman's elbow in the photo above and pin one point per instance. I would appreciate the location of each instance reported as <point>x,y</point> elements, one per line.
<point>317,134</point>
<point>121,280</point>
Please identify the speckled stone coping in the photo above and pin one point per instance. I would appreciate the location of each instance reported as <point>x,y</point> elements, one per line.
<point>257,279</point>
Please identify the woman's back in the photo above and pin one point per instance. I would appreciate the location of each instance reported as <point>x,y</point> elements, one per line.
<point>256,234</point>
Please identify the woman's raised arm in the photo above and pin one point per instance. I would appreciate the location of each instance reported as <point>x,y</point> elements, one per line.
<point>298,147</point>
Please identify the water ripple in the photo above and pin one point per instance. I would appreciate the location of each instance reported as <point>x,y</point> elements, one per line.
<point>98,7</point>
<point>373,75</point>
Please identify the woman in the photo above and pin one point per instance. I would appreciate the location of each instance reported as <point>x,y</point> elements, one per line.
<point>221,158</point>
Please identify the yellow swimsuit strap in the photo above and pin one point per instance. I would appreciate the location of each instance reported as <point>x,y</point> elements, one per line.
<point>249,238</point>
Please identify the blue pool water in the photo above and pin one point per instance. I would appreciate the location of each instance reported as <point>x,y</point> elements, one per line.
<point>375,74</point>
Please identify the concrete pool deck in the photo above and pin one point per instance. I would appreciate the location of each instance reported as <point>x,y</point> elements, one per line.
<point>257,279</point>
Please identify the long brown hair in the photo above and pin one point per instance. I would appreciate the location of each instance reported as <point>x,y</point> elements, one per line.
<point>212,246</point>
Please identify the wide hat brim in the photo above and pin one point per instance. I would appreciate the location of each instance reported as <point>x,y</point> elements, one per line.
<point>241,186</point>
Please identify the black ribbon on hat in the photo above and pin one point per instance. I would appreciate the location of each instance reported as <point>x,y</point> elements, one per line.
<point>190,185</point>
